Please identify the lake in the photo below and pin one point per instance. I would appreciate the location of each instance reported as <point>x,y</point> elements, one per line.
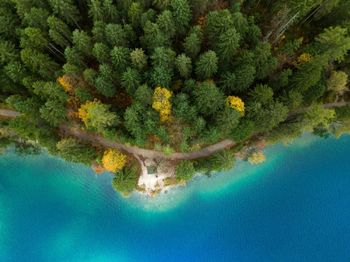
<point>293,207</point>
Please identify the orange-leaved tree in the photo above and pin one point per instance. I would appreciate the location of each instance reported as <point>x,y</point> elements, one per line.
<point>113,160</point>
<point>67,83</point>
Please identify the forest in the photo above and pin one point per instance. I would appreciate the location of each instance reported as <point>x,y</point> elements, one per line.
<point>172,76</point>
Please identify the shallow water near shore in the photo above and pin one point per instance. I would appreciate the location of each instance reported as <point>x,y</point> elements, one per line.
<point>293,207</point>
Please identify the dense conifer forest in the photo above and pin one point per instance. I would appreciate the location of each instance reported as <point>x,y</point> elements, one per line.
<point>172,76</point>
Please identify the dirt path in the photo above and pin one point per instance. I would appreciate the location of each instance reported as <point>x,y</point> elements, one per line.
<point>8,113</point>
<point>147,153</point>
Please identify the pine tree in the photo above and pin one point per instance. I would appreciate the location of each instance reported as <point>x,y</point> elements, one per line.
<point>74,57</point>
<point>99,32</point>
<point>8,21</point>
<point>192,44</point>
<point>116,35</point>
<point>59,31</point>
<point>335,42</point>
<point>307,76</point>
<point>138,58</point>
<point>33,38</point>
<point>134,14</point>
<point>216,23</point>
<point>182,14</point>
<point>163,57</point>
<point>104,82</point>
<point>166,23</point>
<point>75,151</point>
<point>264,62</point>
<point>54,112</point>
<point>66,10</point>
<point>208,98</point>
<point>207,65</point>
<point>153,37</point>
<point>120,58</point>
<point>15,71</point>
<point>143,95</point>
<point>82,42</point>
<point>130,80</point>
<point>228,82</point>
<point>7,52</point>
<point>101,52</point>
<point>39,62</point>
<point>36,17</point>
<point>184,65</point>
<point>103,10</point>
<point>245,75</point>
<point>161,76</point>
<point>227,45</point>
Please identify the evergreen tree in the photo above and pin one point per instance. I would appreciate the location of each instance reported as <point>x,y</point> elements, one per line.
<point>138,58</point>
<point>120,58</point>
<point>335,42</point>
<point>217,23</point>
<point>7,52</point>
<point>37,18</point>
<point>228,82</point>
<point>245,75</point>
<point>39,62</point>
<point>59,32</point>
<point>104,82</point>
<point>192,45</point>
<point>103,10</point>
<point>116,35</point>
<point>130,80</point>
<point>66,10</point>
<point>72,150</point>
<point>166,23</point>
<point>54,112</point>
<point>143,95</point>
<point>33,38</point>
<point>207,65</point>
<point>208,98</point>
<point>101,52</point>
<point>184,65</point>
<point>228,42</point>
<point>99,32</point>
<point>161,76</point>
<point>134,14</point>
<point>153,37</point>
<point>82,42</point>
<point>182,14</point>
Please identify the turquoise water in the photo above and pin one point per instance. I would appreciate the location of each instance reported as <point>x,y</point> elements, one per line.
<point>294,207</point>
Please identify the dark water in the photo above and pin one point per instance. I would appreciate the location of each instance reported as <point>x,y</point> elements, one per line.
<point>294,207</point>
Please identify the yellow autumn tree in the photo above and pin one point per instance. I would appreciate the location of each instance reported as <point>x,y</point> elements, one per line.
<point>236,103</point>
<point>83,111</point>
<point>303,58</point>
<point>66,82</point>
<point>256,158</point>
<point>161,102</point>
<point>113,160</point>
<point>97,115</point>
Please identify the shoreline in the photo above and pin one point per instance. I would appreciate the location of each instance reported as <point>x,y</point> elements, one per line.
<point>162,179</point>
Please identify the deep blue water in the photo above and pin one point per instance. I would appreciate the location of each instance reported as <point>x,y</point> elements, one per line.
<point>294,207</point>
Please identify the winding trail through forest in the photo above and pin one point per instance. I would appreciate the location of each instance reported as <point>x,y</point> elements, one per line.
<point>148,153</point>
